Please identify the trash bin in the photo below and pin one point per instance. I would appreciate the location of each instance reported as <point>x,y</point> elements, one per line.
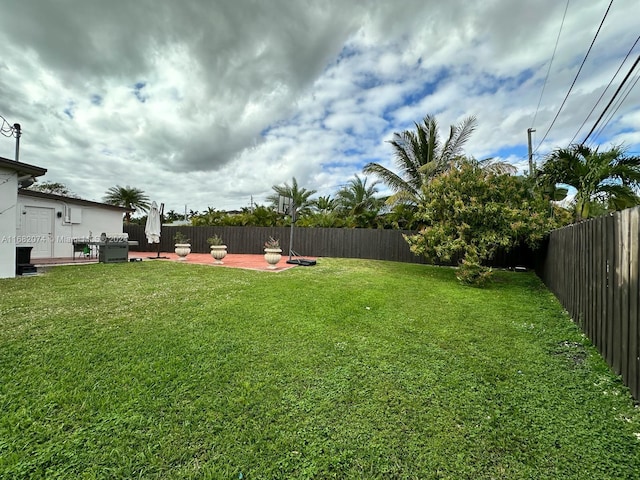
<point>23,261</point>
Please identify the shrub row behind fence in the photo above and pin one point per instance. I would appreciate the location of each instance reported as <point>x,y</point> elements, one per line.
<point>374,244</point>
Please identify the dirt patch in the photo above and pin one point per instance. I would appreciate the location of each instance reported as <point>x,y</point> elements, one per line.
<point>573,352</point>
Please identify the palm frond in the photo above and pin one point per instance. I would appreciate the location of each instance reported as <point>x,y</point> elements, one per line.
<point>459,135</point>
<point>389,178</point>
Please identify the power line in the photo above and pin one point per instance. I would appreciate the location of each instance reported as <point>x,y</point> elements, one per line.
<point>550,63</point>
<point>605,90</point>
<point>617,107</point>
<point>7,129</point>
<point>612,99</point>
<point>575,79</point>
<point>620,102</point>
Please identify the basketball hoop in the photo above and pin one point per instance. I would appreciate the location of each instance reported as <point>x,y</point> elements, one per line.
<point>284,205</point>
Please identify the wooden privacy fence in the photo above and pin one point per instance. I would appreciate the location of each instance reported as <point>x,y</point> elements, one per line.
<point>592,267</point>
<point>315,242</point>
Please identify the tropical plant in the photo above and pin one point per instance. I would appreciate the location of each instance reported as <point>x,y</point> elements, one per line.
<point>128,197</point>
<point>172,216</point>
<point>421,155</point>
<point>214,240</point>
<point>272,243</point>
<point>300,196</point>
<point>357,197</point>
<point>472,213</point>
<point>324,204</point>
<point>261,216</point>
<point>209,218</point>
<point>403,217</point>
<point>603,180</point>
<point>180,237</point>
<point>330,219</point>
<point>358,200</point>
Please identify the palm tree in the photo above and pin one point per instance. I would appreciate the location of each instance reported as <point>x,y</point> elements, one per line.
<point>324,204</point>
<point>356,197</point>
<point>358,201</point>
<point>300,196</point>
<point>601,179</point>
<point>421,155</point>
<point>127,197</point>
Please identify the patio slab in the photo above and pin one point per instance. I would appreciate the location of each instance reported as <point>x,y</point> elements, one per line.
<point>232,260</point>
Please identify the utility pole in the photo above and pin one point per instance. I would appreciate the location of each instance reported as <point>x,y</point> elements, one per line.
<point>529,130</point>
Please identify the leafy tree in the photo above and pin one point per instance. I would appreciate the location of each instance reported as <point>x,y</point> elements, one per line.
<point>603,180</point>
<point>127,197</point>
<point>471,213</point>
<point>55,188</point>
<point>421,155</point>
<point>358,200</point>
<point>261,216</point>
<point>402,217</point>
<point>299,195</point>
<point>211,217</point>
<point>172,216</point>
<point>322,219</point>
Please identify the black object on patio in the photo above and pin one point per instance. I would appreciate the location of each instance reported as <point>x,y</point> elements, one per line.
<point>23,261</point>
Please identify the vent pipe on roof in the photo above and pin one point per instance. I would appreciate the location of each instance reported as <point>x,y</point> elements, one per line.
<point>16,127</point>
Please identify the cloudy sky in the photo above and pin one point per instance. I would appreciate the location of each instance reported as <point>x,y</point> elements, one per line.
<point>208,103</point>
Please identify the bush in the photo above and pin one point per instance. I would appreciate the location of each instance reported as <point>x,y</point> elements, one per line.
<point>471,272</point>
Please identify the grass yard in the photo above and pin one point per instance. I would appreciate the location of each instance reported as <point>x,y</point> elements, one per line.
<point>350,369</point>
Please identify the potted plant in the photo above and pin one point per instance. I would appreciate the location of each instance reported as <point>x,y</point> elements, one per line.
<point>272,252</point>
<point>183,247</point>
<point>218,249</point>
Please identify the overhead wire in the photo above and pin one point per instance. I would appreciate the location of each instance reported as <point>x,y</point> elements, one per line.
<point>635,64</point>
<point>615,110</point>
<point>605,90</point>
<point>618,105</point>
<point>575,78</point>
<point>553,55</point>
<point>7,129</point>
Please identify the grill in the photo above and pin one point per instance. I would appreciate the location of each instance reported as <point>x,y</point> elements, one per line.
<point>113,248</point>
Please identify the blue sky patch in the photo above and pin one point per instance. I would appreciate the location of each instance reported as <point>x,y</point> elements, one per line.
<point>69,110</point>
<point>428,88</point>
<point>517,151</point>
<point>491,84</point>
<point>96,100</point>
<point>137,91</point>
<point>350,152</point>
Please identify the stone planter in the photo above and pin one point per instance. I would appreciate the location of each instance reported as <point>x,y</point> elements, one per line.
<point>182,250</point>
<point>218,252</point>
<point>272,256</point>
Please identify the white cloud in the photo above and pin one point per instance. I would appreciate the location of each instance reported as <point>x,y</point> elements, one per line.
<point>240,96</point>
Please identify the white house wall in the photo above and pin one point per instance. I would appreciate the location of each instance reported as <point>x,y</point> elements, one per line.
<point>8,198</point>
<point>93,220</point>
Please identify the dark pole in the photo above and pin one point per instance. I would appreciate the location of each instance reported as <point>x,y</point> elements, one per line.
<point>16,127</point>
<point>161,213</point>
<point>293,221</point>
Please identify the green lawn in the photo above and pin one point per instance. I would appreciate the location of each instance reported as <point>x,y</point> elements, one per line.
<point>349,369</point>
